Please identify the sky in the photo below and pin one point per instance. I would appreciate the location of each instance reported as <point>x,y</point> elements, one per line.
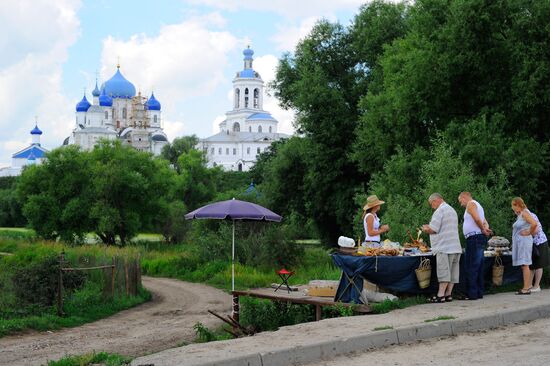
<point>186,51</point>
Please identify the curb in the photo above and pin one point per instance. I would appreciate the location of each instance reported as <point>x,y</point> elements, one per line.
<point>360,343</point>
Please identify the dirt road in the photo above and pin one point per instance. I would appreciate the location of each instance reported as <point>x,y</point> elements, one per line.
<point>164,322</point>
<point>518,345</point>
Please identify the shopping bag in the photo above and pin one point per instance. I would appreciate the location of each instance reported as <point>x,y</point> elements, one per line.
<point>424,273</point>
<point>498,271</point>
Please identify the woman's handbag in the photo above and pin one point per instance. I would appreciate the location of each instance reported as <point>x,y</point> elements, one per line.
<point>498,271</point>
<point>424,273</point>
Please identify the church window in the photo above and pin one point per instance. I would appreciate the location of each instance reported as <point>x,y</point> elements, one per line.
<point>247,151</point>
<point>256,98</point>
<point>226,151</point>
<point>220,151</point>
<point>212,151</point>
<point>240,167</point>
<point>106,115</point>
<point>124,112</point>
<point>117,124</point>
<point>155,118</point>
<point>249,128</point>
<point>237,97</point>
<point>270,129</point>
<point>260,129</point>
<point>246,98</point>
<point>236,127</point>
<point>258,150</point>
<point>234,151</point>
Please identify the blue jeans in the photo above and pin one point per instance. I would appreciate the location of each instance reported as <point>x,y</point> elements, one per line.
<point>475,245</point>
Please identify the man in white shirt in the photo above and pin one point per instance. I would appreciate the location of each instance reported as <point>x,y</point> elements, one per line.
<point>475,230</point>
<point>443,230</point>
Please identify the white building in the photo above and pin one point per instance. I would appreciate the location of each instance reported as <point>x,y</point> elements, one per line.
<point>116,112</point>
<point>247,129</point>
<point>32,154</point>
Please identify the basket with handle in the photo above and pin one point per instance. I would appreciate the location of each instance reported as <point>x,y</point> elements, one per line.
<point>424,273</point>
<point>498,271</point>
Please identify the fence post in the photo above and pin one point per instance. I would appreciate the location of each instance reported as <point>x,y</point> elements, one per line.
<point>113,277</point>
<point>126,273</point>
<point>60,285</point>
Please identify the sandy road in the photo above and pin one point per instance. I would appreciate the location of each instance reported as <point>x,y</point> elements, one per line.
<point>162,323</point>
<point>516,345</point>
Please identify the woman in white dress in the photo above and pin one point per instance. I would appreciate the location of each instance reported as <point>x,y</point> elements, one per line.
<point>522,242</point>
<point>371,222</point>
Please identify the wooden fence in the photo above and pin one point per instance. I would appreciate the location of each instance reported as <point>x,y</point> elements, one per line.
<point>121,277</point>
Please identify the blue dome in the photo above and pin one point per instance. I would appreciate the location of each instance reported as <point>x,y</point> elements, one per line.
<point>105,100</point>
<point>247,73</point>
<point>248,53</point>
<point>95,92</point>
<point>153,104</point>
<point>83,105</point>
<point>260,116</point>
<point>36,131</point>
<point>119,87</point>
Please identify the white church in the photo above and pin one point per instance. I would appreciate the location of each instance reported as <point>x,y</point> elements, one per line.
<point>248,129</point>
<point>32,154</point>
<point>116,112</point>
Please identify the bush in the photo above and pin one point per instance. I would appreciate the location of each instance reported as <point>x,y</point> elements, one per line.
<point>262,315</point>
<point>36,284</point>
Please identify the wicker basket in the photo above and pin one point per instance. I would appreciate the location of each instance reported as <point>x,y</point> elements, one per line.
<point>498,271</point>
<point>424,273</point>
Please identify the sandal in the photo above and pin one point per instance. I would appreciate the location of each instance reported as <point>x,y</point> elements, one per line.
<point>521,292</point>
<point>449,298</point>
<point>436,299</point>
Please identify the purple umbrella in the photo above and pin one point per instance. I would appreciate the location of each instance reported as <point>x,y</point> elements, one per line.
<point>233,210</point>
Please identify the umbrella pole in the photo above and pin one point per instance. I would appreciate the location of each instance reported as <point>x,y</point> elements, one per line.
<point>233,260</point>
<point>235,312</point>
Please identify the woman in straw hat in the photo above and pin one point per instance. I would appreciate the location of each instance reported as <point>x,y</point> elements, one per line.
<point>371,222</point>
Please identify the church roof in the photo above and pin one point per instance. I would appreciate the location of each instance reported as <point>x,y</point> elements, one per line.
<point>83,105</point>
<point>244,137</point>
<point>260,116</point>
<point>36,130</point>
<point>118,86</point>
<point>248,73</point>
<point>33,150</point>
<point>153,104</point>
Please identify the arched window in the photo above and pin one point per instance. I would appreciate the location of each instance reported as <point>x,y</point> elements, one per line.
<point>247,151</point>
<point>236,127</point>
<point>246,98</point>
<point>240,167</point>
<point>234,151</point>
<point>249,128</point>
<point>256,98</point>
<point>220,151</point>
<point>237,97</point>
<point>260,129</point>
<point>226,151</point>
<point>106,114</point>
<point>155,119</point>
<point>270,129</point>
<point>258,150</point>
<point>124,112</point>
<point>212,151</point>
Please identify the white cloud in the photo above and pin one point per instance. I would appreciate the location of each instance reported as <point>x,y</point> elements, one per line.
<point>289,34</point>
<point>287,8</point>
<point>183,61</point>
<point>36,35</point>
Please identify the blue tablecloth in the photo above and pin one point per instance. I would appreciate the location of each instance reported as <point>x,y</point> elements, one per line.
<point>397,274</point>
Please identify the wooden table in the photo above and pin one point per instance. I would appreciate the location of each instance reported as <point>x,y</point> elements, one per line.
<point>295,297</point>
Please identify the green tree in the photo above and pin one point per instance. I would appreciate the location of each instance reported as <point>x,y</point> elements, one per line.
<point>10,208</point>
<point>180,145</point>
<point>129,189</point>
<point>56,195</point>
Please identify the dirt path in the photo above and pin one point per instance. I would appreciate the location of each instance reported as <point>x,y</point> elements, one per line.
<point>164,322</point>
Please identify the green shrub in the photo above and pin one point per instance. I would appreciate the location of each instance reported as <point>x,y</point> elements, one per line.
<point>102,358</point>
<point>261,315</point>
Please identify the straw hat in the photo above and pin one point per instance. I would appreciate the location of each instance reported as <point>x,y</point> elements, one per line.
<point>372,201</point>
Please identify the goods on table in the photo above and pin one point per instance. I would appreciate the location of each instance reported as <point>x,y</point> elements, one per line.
<point>417,243</point>
<point>499,245</point>
<point>378,251</point>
